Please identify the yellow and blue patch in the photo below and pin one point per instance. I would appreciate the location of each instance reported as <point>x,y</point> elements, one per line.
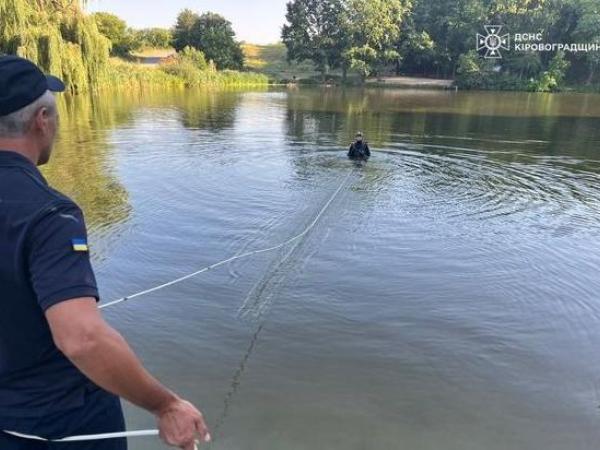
<point>80,245</point>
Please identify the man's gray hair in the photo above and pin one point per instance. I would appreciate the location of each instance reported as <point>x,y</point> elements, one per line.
<point>17,124</point>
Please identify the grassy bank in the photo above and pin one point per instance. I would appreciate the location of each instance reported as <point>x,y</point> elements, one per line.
<point>179,73</point>
<point>271,60</point>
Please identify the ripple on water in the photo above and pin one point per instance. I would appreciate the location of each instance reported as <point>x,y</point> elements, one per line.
<point>537,194</point>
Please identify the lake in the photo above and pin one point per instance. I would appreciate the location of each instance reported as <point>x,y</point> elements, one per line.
<point>446,298</point>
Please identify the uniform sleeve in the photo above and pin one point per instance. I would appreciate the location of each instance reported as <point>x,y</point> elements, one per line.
<point>367,150</point>
<point>59,259</point>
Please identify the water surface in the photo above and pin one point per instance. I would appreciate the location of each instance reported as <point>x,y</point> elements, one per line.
<point>446,299</point>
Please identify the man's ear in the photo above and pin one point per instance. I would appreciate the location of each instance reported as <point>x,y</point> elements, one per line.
<point>42,119</point>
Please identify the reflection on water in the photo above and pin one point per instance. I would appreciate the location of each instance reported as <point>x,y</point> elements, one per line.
<point>83,164</point>
<point>447,298</point>
<point>212,111</point>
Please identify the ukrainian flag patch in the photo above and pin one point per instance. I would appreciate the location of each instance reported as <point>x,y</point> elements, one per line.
<point>80,245</point>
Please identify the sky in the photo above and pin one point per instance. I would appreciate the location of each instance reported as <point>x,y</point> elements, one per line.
<point>255,21</point>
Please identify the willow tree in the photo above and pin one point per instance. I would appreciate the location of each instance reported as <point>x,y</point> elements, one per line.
<point>58,36</point>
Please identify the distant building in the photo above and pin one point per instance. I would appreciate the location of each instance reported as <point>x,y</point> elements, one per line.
<point>154,59</point>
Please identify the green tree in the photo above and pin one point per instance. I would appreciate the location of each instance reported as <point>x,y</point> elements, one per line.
<point>525,65</point>
<point>57,35</point>
<point>155,37</point>
<point>438,38</point>
<point>214,36</point>
<point>588,31</point>
<point>473,72</point>
<point>316,30</point>
<point>111,26</point>
<point>374,28</point>
<point>417,48</point>
<point>210,33</point>
<point>451,25</point>
<point>122,38</point>
<point>182,32</point>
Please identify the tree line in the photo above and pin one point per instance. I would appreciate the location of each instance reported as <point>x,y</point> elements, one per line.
<point>208,33</point>
<point>438,38</point>
<point>125,39</point>
<point>64,40</point>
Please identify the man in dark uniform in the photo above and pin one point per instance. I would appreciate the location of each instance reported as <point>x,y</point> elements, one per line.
<point>359,148</point>
<point>62,367</point>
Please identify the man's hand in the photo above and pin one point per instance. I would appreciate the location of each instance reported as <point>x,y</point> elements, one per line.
<point>181,424</point>
<point>102,354</point>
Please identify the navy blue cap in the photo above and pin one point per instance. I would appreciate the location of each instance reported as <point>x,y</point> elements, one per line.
<point>22,83</point>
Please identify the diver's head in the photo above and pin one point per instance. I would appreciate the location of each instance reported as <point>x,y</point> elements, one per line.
<point>359,136</point>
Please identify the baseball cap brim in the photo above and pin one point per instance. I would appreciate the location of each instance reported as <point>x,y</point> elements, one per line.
<point>55,84</point>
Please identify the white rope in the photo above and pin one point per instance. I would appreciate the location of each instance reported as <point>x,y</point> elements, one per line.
<point>88,437</point>
<point>234,258</point>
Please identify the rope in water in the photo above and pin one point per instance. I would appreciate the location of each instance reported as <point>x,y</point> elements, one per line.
<point>140,433</point>
<point>234,258</point>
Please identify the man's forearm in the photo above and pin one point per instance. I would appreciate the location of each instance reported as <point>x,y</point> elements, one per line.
<point>110,363</point>
<point>98,351</point>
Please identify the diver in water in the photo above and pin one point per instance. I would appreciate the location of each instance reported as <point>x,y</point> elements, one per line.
<point>359,149</point>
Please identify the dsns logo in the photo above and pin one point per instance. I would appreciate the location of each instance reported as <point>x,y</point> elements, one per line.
<point>493,42</point>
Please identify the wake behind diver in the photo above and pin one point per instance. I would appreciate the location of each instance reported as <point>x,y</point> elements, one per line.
<point>359,150</point>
